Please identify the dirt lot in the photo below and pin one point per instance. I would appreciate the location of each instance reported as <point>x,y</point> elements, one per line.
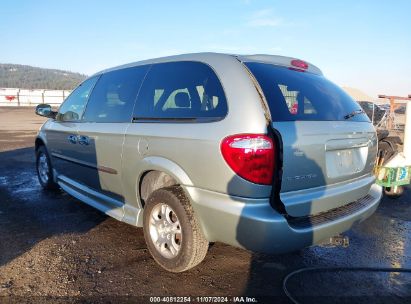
<point>55,248</point>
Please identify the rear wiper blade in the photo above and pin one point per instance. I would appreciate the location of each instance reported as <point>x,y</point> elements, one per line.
<point>354,113</point>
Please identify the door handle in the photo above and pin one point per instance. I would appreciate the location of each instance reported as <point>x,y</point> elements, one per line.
<point>72,139</point>
<point>83,140</point>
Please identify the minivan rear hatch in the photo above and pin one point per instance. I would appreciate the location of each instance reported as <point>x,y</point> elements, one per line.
<point>328,143</point>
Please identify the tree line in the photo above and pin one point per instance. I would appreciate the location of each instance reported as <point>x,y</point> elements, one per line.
<point>28,77</point>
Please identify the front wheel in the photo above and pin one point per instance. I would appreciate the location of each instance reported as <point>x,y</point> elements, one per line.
<point>44,169</point>
<point>172,233</point>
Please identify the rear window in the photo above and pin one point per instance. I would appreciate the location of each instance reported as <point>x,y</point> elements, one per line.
<point>292,95</point>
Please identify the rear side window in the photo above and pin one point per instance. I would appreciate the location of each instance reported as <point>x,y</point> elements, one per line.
<point>292,95</point>
<point>181,91</point>
<point>113,97</point>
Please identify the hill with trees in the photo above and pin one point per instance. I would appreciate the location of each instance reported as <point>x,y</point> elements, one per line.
<point>28,77</point>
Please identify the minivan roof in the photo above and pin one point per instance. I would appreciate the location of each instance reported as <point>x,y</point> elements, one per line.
<point>202,57</point>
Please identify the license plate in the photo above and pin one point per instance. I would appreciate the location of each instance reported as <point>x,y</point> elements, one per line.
<point>345,162</point>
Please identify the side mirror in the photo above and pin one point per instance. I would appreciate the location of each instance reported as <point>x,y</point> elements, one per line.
<point>45,110</point>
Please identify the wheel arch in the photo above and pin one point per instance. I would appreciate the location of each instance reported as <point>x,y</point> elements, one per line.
<point>38,142</point>
<point>152,180</point>
<point>159,172</point>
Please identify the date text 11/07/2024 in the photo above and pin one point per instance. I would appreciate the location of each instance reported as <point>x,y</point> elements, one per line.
<point>203,299</point>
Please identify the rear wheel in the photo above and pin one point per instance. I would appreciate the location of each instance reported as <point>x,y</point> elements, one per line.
<point>44,169</point>
<point>172,234</point>
<point>388,149</point>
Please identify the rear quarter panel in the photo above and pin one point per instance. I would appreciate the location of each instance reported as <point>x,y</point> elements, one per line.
<point>195,147</point>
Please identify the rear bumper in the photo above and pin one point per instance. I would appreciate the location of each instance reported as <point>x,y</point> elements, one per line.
<point>254,225</point>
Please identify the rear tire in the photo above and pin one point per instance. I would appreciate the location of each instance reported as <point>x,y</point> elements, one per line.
<point>389,150</point>
<point>171,231</point>
<point>45,170</point>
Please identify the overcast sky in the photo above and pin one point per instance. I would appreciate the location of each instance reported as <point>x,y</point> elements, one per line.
<point>363,44</point>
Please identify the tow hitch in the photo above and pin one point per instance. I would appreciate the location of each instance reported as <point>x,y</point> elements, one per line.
<point>336,241</point>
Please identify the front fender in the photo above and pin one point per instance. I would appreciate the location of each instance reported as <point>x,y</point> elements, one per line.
<point>41,135</point>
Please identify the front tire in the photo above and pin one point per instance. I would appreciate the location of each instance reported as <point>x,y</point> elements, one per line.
<point>171,231</point>
<point>44,169</point>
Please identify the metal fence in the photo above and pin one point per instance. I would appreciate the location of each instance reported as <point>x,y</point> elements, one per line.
<point>24,97</point>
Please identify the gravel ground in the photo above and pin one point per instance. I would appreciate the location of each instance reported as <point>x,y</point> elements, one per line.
<point>54,248</point>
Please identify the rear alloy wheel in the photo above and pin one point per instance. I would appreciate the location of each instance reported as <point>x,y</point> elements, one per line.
<point>171,231</point>
<point>165,230</point>
<point>44,169</point>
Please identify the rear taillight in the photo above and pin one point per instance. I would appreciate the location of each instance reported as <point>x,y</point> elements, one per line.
<point>251,156</point>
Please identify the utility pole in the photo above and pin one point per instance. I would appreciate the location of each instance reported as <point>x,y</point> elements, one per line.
<point>393,105</point>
